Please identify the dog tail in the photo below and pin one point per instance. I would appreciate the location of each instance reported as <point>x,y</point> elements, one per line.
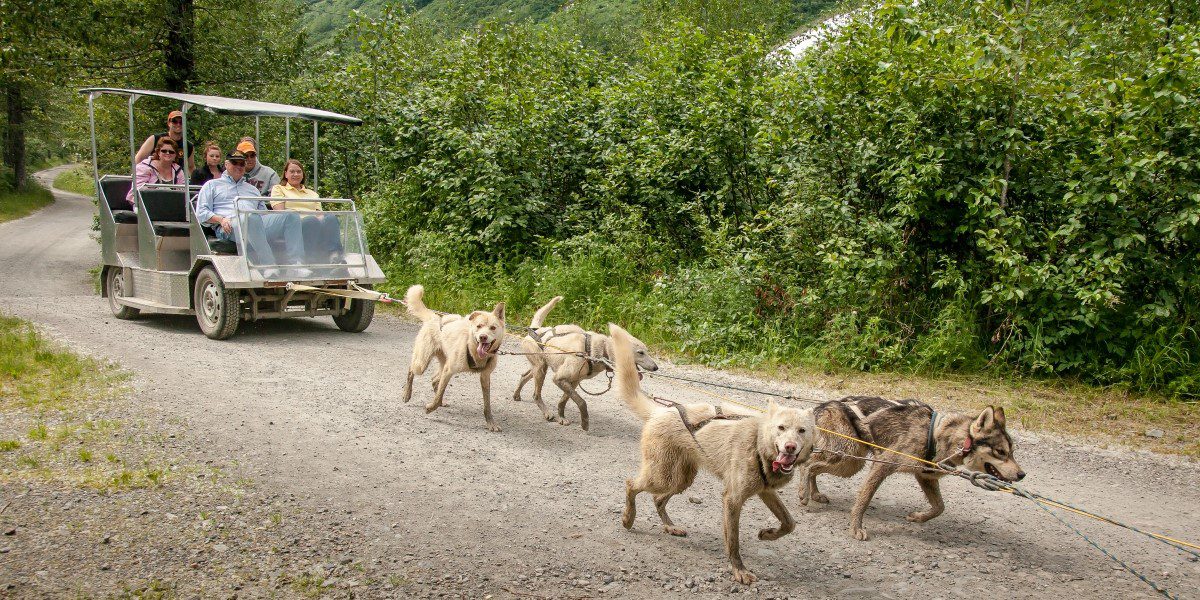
<point>539,317</point>
<point>626,374</point>
<point>414,299</point>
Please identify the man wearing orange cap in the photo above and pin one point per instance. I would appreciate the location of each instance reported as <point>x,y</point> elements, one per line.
<point>257,174</point>
<point>175,131</point>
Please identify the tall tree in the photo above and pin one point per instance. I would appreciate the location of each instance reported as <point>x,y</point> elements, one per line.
<point>180,56</point>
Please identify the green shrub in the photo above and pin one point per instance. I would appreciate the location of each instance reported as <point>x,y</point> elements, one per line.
<point>951,186</point>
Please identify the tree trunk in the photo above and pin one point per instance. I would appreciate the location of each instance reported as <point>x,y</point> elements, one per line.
<point>14,138</point>
<point>180,57</point>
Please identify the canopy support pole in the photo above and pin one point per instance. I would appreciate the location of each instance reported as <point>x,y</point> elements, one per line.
<point>316,155</point>
<point>257,137</point>
<point>132,149</point>
<point>92,128</point>
<point>287,139</point>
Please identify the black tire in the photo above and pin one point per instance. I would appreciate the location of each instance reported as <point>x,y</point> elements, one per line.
<point>356,318</point>
<point>114,284</point>
<point>217,308</point>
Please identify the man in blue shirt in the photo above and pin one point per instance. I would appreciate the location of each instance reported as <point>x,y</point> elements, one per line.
<point>216,206</point>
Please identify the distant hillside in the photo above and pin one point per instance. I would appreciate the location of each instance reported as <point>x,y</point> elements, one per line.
<point>327,16</point>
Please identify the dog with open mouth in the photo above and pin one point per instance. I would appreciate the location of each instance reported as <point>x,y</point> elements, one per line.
<point>460,344</point>
<point>754,455</point>
<point>980,443</point>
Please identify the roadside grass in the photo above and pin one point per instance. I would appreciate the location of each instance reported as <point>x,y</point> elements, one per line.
<point>52,426</point>
<point>77,180</point>
<point>14,205</point>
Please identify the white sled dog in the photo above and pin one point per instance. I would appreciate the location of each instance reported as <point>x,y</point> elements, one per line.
<point>547,348</point>
<point>459,343</point>
<point>753,455</point>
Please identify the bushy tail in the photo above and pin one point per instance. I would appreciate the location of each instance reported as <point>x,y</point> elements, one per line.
<point>414,299</point>
<point>539,317</point>
<point>628,386</point>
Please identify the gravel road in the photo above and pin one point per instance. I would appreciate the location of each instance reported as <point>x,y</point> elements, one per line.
<point>312,415</point>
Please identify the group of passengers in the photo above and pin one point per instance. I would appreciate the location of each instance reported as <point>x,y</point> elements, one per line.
<point>160,160</point>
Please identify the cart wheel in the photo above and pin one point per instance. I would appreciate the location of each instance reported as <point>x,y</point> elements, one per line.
<point>216,307</point>
<point>114,282</point>
<point>357,317</point>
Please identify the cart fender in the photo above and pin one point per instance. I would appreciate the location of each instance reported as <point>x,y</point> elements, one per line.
<point>232,269</point>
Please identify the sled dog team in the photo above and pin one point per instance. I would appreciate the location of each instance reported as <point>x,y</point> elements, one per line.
<point>752,454</point>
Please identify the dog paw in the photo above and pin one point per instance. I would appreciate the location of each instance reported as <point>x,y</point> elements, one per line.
<point>431,407</point>
<point>627,518</point>
<point>549,417</point>
<point>771,533</point>
<point>516,397</point>
<point>584,425</point>
<point>860,534</point>
<point>744,576</point>
<point>821,498</point>
<point>918,517</point>
<point>675,531</point>
<point>561,420</point>
<point>493,428</point>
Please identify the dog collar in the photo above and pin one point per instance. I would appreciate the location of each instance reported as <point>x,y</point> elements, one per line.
<point>471,364</point>
<point>930,442</point>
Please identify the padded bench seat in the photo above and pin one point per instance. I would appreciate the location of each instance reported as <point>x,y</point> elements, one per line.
<point>218,246</point>
<point>172,228</point>
<point>125,217</point>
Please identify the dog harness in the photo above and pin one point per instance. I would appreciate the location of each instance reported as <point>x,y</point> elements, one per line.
<point>931,444</point>
<point>692,428</point>
<point>587,355</point>
<point>587,349</point>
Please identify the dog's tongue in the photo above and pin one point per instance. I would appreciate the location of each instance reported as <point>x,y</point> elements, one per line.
<point>482,349</point>
<point>782,460</point>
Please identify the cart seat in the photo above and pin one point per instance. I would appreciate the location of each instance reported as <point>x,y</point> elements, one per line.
<point>127,217</point>
<point>167,211</point>
<point>171,229</point>
<point>114,189</point>
<point>216,245</point>
<point>222,246</point>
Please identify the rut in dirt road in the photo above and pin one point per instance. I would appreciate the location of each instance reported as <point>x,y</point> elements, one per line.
<point>314,412</point>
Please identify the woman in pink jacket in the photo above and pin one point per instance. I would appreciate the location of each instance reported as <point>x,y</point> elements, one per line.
<point>159,167</point>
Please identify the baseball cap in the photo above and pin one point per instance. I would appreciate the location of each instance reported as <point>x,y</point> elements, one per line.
<point>235,155</point>
<point>175,113</point>
<point>246,147</point>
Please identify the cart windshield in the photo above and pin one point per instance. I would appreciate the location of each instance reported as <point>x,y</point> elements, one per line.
<point>323,244</point>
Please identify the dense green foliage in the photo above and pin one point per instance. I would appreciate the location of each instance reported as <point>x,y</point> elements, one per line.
<point>603,23</point>
<point>958,186</point>
<point>48,50</point>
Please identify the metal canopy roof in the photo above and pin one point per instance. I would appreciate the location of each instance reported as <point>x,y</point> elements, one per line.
<point>234,106</point>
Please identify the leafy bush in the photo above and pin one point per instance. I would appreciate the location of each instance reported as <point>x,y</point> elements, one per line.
<point>954,186</point>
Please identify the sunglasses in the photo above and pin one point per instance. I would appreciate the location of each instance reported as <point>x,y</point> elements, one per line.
<point>177,120</point>
<point>251,155</point>
<point>165,151</point>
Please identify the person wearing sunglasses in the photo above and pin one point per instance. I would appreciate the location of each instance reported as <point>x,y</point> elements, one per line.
<point>175,133</point>
<point>158,168</point>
